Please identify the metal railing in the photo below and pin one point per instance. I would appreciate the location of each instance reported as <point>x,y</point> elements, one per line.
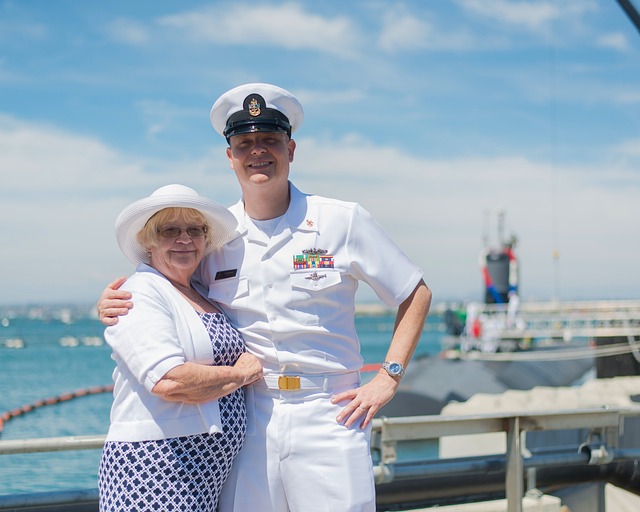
<point>565,320</point>
<point>603,424</point>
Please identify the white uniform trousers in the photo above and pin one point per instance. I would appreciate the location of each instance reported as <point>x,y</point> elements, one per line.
<point>298,458</point>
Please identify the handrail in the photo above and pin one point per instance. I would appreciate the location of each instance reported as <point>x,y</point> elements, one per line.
<point>390,430</point>
<point>604,424</point>
<point>51,444</point>
<point>569,306</point>
<point>387,432</point>
<point>563,320</point>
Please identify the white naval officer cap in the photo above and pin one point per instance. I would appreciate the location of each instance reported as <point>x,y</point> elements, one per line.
<point>256,107</point>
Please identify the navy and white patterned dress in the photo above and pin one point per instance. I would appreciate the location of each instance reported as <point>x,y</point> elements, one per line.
<point>182,473</point>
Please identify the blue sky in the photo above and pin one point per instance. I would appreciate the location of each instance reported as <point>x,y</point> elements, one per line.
<point>434,115</point>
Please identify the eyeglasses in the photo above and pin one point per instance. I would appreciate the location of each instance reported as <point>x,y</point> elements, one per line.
<point>175,232</point>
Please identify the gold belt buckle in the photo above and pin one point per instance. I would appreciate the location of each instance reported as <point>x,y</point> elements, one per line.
<point>288,382</point>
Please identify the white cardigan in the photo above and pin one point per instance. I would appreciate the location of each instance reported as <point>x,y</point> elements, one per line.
<point>161,332</point>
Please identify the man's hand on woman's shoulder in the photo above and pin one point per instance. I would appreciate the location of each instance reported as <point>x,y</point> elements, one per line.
<point>114,302</point>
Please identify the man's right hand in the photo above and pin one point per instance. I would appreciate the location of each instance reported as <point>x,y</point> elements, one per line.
<point>114,302</point>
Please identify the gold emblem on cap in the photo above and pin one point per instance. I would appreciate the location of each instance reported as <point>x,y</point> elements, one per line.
<point>254,107</point>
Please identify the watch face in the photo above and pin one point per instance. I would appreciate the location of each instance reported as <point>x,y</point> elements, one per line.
<point>395,369</point>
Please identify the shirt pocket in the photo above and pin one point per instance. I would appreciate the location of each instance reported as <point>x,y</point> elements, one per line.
<point>315,280</point>
<point>315,295</point>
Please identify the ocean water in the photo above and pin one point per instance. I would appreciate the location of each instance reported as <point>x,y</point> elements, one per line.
<point>64,353</point>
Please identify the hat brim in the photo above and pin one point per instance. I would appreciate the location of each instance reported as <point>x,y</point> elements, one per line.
<point>251,125</point>
<point>133,218</point>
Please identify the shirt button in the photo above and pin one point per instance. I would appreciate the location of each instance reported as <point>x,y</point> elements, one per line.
<point>274,318</point>
<point>270,285</point>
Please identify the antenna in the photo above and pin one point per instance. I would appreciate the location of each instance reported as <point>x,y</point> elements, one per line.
<point>501,228</point>
<point>485,235</point>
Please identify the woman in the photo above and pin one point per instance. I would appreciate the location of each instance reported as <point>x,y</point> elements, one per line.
<point>178,418</point>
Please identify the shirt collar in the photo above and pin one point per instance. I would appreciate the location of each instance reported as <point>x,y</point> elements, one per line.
<point>299,216</point>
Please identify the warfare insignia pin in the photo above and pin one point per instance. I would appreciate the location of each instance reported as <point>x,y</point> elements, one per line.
<point>315,277</point>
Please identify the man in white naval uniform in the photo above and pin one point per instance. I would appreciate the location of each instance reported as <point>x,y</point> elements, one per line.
<point>288,283</point>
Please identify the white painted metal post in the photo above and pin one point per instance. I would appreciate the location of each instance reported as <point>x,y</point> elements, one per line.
<point>514,481</point>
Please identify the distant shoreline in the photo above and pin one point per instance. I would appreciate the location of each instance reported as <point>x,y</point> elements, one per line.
<point>373,309</point>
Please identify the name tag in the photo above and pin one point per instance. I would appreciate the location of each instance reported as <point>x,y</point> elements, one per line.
<point>226,274</point>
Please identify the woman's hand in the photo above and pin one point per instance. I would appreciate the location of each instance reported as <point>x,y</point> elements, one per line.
<point>250,366</point>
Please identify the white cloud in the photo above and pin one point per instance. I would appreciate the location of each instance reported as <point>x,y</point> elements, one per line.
<point>43,157</point>
<point>331,98</point>
<point>285,25</point>
<point>530,15</point>
<point>160,116</point>
<point>626,95</point>
<point>63,192</point>
<point>128,31</point>
<point>615,41</point>
<point>629,148</point>
<point>403,30</point>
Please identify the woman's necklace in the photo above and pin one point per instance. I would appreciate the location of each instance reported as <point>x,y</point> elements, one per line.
<point>192,294</point>
<point>197,298</point>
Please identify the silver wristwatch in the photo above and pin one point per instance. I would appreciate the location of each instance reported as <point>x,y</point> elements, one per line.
<point>394,369</point>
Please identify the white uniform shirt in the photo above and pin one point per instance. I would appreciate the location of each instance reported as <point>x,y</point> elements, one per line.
<point>300,318</point>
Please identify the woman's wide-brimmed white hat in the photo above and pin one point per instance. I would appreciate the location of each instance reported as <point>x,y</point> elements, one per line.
<point>133,218</point>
